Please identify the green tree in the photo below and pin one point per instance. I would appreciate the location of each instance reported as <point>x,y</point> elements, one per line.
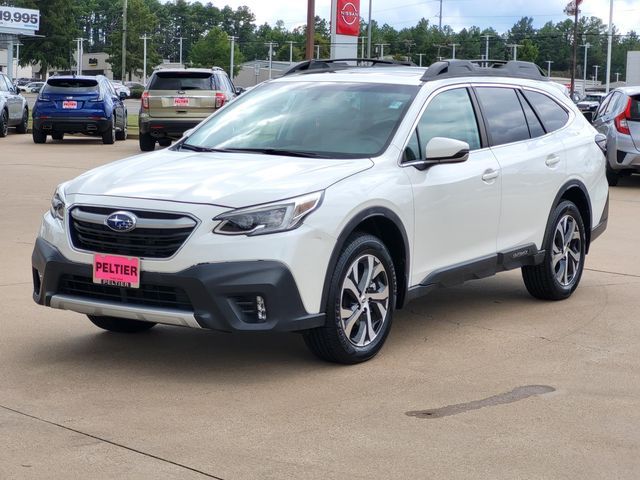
<point>528,52</point>
<point>214,49</point>
<point>58,26</point>
<point>140,21</point>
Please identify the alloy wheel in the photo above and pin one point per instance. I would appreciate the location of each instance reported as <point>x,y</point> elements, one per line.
<point>364,300</point>
<point>566,254</point>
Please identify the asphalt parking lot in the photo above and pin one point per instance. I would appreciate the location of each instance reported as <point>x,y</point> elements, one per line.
<point>477,381</point>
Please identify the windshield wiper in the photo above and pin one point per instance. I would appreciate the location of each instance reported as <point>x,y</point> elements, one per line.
<point>275,151</point>
<point>195,148</point>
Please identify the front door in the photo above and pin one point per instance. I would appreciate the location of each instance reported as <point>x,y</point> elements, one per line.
<point>457,206</point>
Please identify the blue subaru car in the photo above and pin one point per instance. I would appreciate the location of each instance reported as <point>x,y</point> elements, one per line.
<point>79,104</point>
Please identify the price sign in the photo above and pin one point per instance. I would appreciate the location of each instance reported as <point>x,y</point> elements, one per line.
<point>19,18</point>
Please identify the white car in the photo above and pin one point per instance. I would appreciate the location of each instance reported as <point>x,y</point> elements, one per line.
<point>329,199</point>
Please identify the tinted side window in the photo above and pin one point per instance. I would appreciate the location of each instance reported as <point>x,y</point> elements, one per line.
<point>553,116</point>
<point>502,111</point>
<point>412,152</point>
<point>535,127</point>
<point>603,105</point>
<point>450,114</point>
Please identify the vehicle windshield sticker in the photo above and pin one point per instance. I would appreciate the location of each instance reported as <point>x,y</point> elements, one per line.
<point>395,105</point>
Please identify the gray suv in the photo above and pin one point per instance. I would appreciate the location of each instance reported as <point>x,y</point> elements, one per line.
<point>14,111</point>
<point>619,119</point>
<point>176,100</point>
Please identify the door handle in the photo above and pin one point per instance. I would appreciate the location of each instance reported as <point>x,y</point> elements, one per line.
<point>552,160</point>
<point>489,175</point>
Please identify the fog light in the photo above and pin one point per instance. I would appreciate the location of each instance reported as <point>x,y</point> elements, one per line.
<point>262,309</point>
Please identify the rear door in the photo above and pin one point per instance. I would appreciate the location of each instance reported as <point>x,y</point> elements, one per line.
<point>13,102</point>
<point>531,157</point>
<point>182,94</point>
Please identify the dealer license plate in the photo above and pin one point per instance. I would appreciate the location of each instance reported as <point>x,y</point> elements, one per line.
<point>69,104</point>
<point>117,271</point>
<point>180,102</point>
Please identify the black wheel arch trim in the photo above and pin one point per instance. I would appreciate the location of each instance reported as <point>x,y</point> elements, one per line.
<point>575,183</point>
<point>349,229</point>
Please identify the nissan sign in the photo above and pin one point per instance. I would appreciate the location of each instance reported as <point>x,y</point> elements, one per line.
<point>348,18</point>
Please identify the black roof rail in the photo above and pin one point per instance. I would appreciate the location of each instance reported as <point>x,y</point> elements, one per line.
<point>472,68</point>
<point>333,64</point>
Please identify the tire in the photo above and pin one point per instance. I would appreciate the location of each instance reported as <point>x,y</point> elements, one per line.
<point>549,280</point>
<point>4,123</point>
<point>39,136</point>
<point>109,137</point>
<point>57,136</point>
<point>358,321</point>
<point>147,142</point>
<point>164,142</point>
<point>612,176</point>
<point>120,325</point>
<point>123,133</point>
<point>24,124</point>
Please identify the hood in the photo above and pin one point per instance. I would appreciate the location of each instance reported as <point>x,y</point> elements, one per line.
<point>226,179</point>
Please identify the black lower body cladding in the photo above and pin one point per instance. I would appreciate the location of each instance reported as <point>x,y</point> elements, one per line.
<point>222,296</point>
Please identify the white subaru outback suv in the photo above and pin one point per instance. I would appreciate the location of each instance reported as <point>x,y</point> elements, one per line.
<point>322,201</point>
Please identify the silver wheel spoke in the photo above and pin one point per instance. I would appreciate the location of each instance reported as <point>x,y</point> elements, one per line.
<point>351,287</point>
<point>381,309</point>
<point>370,331</point>
<point>555,258</point>
<point>351,321</point>
<point>574,255</point>
<point>566,271</point>
<point>368,274</point>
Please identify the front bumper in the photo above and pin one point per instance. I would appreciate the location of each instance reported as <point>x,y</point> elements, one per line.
<point>218,296</point>
<point>88,125</point>
<point>162,128</point>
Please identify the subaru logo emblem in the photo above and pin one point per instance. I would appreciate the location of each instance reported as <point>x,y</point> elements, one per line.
<point>121,221</point>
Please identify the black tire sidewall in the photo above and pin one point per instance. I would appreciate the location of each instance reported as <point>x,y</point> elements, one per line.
<point>564,208</point>
<point>358,246</point>
<point>4,123</point>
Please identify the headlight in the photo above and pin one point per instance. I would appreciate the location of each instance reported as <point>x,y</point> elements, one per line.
<point>269,218</point>
<point>57,204</point>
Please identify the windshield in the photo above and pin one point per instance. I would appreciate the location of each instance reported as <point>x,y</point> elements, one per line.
<point>593,98</point>
<point>327,119</point>
<point>181,81</point>
<point>78,85</point>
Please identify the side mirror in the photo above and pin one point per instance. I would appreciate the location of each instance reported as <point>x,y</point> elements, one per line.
<point>601,141</point>
<point>442,150</point>
<point>122,95</point>
<point>240,90</point>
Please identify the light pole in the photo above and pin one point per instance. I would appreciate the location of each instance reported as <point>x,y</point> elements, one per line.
<point>290,51</point>
<point>124,40</point>
<point>232,55</point>
<point>486,47</point>
<point>617,77</point>
<point>440,18</point>
<point>17,57</point>
<point>596,67</point>
<point>584,81</point>
<point>453,54</point>
<point>381,46</point>
<point>549,62</point>
<point>144,38</point>
<point>420,55</point>
<point>609,39</point>
<point>271,45</point>
<point>79,52</point>
<point>180,56</point>
<point>369,33</point>
<point>515,49</point>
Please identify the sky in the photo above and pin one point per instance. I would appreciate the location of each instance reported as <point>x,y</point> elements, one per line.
<point>499,14</point>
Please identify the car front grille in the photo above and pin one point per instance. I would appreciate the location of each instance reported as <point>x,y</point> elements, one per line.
<point>147,295</point>
<point>157,234</point>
